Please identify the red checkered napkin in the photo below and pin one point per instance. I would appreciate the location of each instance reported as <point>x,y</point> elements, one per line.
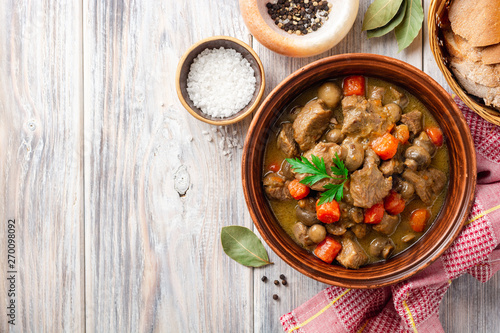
<point>413,305</point>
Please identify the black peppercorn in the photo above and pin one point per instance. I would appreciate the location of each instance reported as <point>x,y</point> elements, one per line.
<point>276,282</point>
<point>295,16</point>
<point>283,277</point>
<point>283,282</point>
<point>275,297</point>
<point>264,278</point>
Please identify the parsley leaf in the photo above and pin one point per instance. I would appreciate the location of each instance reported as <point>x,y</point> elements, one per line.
<point>317,171</point>
<point>339,169</point>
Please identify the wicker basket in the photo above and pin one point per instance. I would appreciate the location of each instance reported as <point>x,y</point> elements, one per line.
<point>436,9</point>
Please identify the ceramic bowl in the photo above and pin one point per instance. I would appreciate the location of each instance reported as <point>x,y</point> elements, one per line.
<point>462,173</point>
<point>264,29</point>
<point>211,43</point>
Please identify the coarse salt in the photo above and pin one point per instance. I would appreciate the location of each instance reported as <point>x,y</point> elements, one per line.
<point>220,82</point>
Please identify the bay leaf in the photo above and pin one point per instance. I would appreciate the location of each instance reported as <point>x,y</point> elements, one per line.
<point>242,245</point>
<point>380,13</point>
<point>411,24</point>
<point>394,22</point>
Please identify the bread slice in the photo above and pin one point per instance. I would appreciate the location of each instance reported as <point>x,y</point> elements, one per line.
<point>486,75</point>
<point>491,54</point>
<point>490,95</point>
<point>459,47</point>
<point>478,21</point>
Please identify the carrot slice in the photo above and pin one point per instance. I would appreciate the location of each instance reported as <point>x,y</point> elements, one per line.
<point>354,85</point>
<point>298,190</point>
<point>418,219</point>
<point>328,249</point>
<point>394,204</point>
<point>328,212</point>
<point>385,146</point>
<point>375,213</point>
<point>274,167</point>
<point>436,135</point>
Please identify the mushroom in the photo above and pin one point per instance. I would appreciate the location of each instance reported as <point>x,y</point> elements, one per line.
<point>381,247</point>
<point>300,232</point>
<point>330,93</point>
<point>305,216</point>
<point>335,135</point>
<point>316,233</point>
<point>393,112</point>
<point>419,155</point>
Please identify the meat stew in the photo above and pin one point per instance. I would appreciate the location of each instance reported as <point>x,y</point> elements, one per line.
<point>396,161</point>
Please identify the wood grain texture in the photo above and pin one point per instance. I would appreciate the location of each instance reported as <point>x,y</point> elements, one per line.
<point>41,168</point>
<point>159,184</point>
<point>119,194</point>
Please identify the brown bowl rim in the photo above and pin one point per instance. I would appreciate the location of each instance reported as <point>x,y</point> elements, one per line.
<point>361,278</point>
<point>248,109</point>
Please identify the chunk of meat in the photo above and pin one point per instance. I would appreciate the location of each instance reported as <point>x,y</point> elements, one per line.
<point>359,119</point>
<point>325,150</point>
<point>368,186</point>
<point>371,157</point>
<point>276,187</point>
<point>360,230</point>
<point>400,98</point>
<point>352,254</point>
<point>355,153</point>
<point>427,183</point>
<point>336,229</point>
<point>413,120</point>
<point>392,166</point>
<point>286,171</point>
<point>310,124</point>
<point>356,214</point>
<point>395,164</point>
<point>388,224</point>
<point>286,141</point>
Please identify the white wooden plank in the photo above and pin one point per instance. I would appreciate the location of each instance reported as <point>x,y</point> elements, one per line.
<point>41,164</point>
<point>153,255</point>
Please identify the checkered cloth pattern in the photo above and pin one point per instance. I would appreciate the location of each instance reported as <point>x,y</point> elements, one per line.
<point>413,305</point>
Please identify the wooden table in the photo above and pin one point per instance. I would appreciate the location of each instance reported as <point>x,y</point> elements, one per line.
<point>119,195</point>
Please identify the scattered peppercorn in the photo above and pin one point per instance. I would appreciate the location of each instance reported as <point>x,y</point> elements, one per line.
<point>276,282</point>
<point>299,17</point>
<point>275,297</point>
<point>283,277</point>
<point>283,282</point>
<point>264,278</point>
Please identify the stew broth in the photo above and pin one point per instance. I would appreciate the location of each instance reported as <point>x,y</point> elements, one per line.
<point>284,210</point>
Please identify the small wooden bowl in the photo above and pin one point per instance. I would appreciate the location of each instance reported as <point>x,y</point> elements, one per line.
<point>437,9</point>
<point>216,42</point>
<point>461,184</point>
<point>261,25</point>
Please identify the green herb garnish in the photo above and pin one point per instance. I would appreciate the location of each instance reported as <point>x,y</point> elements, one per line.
<point>317,168</point>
